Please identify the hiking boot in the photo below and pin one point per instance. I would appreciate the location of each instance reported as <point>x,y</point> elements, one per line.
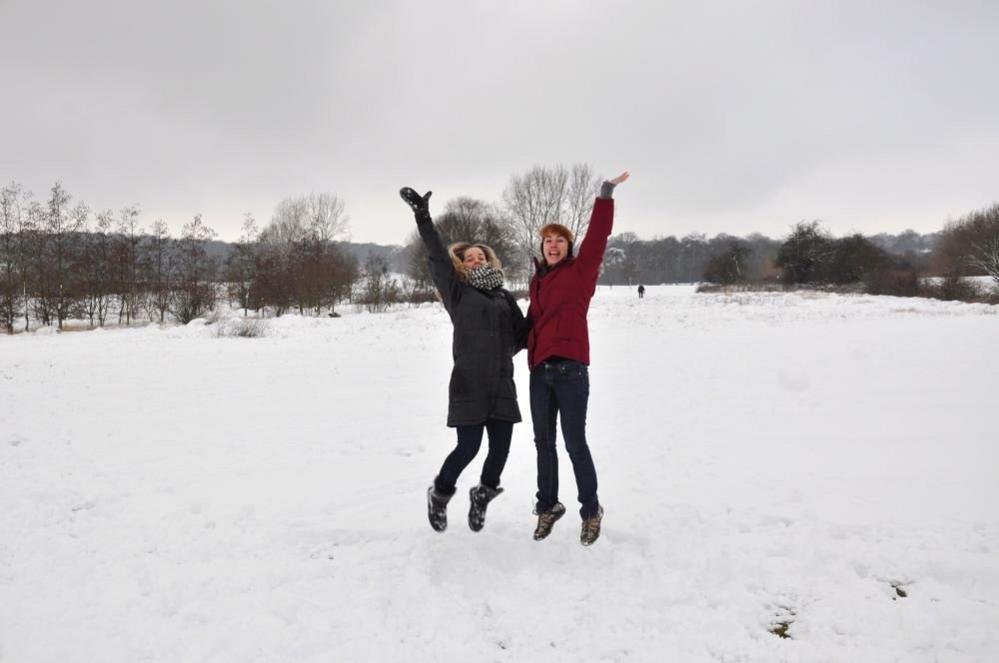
<point>546,520</point>
<point>437,509</point>
<point>591,528</point>
<point>479,498</point>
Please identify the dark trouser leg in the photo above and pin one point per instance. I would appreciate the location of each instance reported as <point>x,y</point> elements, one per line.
<point>544,409</point>
<point>469,440</point>
<point>500,434</point>
<point>572,390</point>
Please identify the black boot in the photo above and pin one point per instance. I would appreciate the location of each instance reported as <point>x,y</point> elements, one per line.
<point>437,509</point>
<point>479,498</point>
<point>546,520</point>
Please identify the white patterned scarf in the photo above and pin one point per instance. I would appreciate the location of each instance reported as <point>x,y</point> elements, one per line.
<point>485,278</point>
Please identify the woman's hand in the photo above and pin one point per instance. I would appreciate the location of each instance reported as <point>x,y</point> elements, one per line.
<point>420,204</point>
<point>620,178</point>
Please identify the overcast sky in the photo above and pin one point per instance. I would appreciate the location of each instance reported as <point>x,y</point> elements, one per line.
<point>733,117</point>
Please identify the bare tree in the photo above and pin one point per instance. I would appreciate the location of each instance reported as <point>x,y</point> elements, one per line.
<point>380,289</point>
<point>327,218</point>
<point>127,252</point>
<point>534,199</point>
<point>340,276</point>
<point>240,264</point>
<point>298,263</point>
<point>984,227</point>
<point>96,270</point>
<point>584,185</point>
<point>272,284</point>
<point>13,258</point>
<point>986,257</point>
<point>158,263</point>
<point>57,247</point>
<point>195,291</point>
<point>289,223</point>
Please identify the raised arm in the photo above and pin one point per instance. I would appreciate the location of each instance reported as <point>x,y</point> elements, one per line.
<point>591,251</point>
<point>441,269</point>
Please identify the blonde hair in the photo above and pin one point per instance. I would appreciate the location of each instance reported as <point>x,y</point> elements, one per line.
<point>457,253</point>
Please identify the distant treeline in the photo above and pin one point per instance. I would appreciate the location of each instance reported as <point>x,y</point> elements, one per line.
<point>59,261</point>
<point>810,256</point>
<point>728,259</point>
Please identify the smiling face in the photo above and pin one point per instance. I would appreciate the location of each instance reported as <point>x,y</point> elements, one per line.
<point>474,257</point>
<point>555,248</point>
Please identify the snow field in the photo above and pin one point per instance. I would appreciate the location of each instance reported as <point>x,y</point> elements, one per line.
<point>764,459</point>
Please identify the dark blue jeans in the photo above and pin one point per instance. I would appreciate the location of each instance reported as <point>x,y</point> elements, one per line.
<point>469,441</point>
<point>560,389</point>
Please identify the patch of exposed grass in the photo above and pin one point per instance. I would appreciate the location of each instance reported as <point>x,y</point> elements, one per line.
<point>783,618</point>
<point>780,630</point>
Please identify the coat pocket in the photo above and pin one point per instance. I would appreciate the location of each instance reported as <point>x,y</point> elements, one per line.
<point>459,389</point>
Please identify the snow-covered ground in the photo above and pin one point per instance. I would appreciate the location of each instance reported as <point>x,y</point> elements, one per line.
<point>167,494</point>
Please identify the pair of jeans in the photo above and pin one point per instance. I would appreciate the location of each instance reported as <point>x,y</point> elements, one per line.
<point>469,441</point>
<point>560,390</point>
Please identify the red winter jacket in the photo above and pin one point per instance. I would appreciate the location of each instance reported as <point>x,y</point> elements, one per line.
<point>560,296</point>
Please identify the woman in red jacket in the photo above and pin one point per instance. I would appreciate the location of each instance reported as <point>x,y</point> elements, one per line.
<point>558,354</point>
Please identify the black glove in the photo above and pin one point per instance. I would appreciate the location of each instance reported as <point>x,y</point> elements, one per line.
<point>420,204</point>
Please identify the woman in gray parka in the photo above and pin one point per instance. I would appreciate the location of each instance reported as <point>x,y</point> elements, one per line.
<point>489,328</point>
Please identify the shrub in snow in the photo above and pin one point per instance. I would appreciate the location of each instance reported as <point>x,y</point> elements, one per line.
<point>241,328</point>
<point>954,288</point>
<point>213,317</point>
<point>897,282</point>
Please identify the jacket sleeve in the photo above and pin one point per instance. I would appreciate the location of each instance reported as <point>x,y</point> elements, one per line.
<point>591,251</point>
<point>445,277</point>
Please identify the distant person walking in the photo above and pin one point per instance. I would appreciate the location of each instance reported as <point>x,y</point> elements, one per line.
<point>558,353</point>
<point>489,328</point>
<point>641,292</point>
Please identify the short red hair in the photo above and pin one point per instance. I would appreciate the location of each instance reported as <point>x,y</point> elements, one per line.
<point>556,229</point>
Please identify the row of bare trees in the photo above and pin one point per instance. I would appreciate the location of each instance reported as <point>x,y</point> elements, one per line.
<point>60,262</point>
<point>57,265</point>
<point>294,263</point>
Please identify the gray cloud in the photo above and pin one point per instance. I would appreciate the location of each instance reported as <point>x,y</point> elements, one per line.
<point>732,116</point>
